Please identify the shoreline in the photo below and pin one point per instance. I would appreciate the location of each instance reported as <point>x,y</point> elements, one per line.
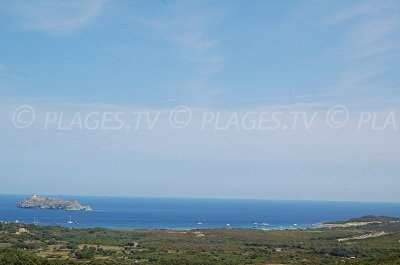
<point>194,228</point>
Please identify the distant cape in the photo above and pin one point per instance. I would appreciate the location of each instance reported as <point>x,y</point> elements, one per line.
<point>52,203</point>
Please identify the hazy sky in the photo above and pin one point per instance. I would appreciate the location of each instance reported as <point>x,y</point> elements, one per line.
<point>213,56</point>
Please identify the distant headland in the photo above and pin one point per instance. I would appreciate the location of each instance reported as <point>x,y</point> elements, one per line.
<point>36,201</point>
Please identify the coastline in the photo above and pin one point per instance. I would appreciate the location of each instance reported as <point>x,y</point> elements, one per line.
<point>188,228</point>
<point>176,214</point>
<point>177,228</point>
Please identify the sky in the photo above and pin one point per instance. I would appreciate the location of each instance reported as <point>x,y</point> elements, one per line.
<point>66,59</point>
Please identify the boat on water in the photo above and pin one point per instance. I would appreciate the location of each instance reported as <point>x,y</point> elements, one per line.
<point>260,225</point>
<point>70,220</point>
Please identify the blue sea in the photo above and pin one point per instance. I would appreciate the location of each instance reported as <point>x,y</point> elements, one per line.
<point>162,213</point>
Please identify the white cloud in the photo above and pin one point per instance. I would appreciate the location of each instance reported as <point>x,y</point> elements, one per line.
<point>373,30</point>
<point>188,27</point>
<point>57,17</point>
<point>363,9</point>
<point>369,44</point>
<point>8,78</point>
<point>373,33</point>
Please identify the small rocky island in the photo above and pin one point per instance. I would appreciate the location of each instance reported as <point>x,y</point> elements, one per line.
<point>52,203</point>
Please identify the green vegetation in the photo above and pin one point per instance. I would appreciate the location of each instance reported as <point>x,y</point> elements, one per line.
<point>28,244</point>
<point>369,218</point>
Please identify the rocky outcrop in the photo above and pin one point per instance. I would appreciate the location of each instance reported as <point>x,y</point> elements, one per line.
<point>52,203</point>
